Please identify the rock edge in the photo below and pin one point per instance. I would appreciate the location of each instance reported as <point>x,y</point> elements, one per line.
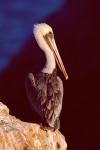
<point>18,135</point>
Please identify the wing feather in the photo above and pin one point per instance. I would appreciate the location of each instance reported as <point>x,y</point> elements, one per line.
<point>35,93</point>
<point>45,97</point>
<point>54,101</point>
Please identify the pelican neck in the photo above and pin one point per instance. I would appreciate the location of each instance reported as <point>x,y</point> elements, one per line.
<point>50,64</point>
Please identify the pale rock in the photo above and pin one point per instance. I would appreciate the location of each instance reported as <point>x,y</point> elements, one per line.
<point>18,135</point>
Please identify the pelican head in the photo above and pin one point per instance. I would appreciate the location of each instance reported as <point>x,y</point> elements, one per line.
<point>45,38</point>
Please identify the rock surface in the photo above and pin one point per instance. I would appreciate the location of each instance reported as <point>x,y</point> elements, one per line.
<point>18,135</point>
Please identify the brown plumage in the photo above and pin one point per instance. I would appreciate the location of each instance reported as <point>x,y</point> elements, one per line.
<point>45,93</point>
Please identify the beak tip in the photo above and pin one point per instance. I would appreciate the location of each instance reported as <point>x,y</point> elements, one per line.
<point>66,77</point>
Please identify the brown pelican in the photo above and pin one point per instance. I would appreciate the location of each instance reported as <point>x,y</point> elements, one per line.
<point>45,90</point>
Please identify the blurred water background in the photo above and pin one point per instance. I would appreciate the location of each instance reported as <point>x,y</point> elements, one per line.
<point>16,21</point>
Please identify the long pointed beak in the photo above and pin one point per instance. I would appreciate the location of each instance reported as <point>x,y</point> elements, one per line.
<point>52,44</point>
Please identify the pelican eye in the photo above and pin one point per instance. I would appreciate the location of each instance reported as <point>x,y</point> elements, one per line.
<point>50,34</point>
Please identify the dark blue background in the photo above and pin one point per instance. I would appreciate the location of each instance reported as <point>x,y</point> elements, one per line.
<point>16,21</point>
<point>77,33</point>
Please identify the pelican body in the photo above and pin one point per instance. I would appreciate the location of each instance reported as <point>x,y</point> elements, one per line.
<point>45,89</point>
